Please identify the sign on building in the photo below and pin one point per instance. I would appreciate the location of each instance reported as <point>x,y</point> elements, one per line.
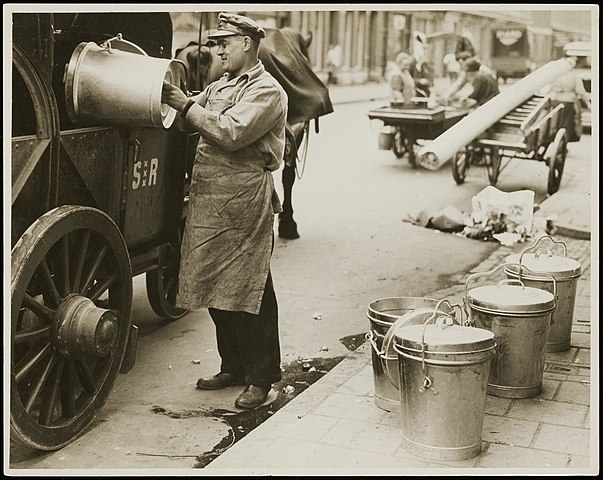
<point>399,22</point>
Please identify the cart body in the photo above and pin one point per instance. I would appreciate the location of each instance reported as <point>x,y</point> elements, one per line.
<point>415,124</point>
<point>531,131</point>
<point>91,208</point>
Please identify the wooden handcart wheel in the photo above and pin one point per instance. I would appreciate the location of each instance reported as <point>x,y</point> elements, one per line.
<point>556,161</point>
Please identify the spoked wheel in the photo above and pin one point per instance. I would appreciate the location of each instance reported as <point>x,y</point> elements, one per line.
<point>162,283</point>
<point>460,165</point>
<point>66,349</point>
<point>493,164</point>
<point>557,161</point>
<point>399,146</point>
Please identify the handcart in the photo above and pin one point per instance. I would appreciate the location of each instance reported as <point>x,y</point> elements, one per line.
<point>531,131</point>
<point>415,124</point>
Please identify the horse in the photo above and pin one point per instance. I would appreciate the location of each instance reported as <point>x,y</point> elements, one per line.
<point>284,53</point>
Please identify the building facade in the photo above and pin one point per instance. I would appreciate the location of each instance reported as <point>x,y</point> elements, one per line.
<point>368,39</point>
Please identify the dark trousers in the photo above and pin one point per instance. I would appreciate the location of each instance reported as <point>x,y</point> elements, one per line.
<point>249,344</point>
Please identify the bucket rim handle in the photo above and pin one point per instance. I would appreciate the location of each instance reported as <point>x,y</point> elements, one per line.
<point>539,252</point>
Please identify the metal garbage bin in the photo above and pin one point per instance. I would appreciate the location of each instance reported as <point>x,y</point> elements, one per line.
<point>519,316</point>
<point>108,86</point>
<point>444,371</point>
<point>566,272</point>
<point>383,314</point>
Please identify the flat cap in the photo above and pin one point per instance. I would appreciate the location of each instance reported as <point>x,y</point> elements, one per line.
<point>231,24</point>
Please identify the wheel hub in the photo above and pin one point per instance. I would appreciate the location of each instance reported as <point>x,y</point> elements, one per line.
<point>84,329</point>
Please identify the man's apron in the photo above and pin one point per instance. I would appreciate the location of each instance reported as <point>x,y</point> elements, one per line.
<point>227,240</point>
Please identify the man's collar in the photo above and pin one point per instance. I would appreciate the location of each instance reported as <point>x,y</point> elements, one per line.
<point>251,74</point>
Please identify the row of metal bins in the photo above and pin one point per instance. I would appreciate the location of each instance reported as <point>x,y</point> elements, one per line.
<point>435,362</point>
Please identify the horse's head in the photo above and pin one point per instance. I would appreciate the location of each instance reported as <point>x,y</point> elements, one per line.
<point>202,64</point>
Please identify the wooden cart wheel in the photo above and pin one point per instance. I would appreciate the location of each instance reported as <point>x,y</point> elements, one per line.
<point>493,165</point>
<point>162,283</point>
<point>66,350</point>
<point>460,164</point>
<point>410,146</point>
<point>399,146</point>
<point>556,161</point>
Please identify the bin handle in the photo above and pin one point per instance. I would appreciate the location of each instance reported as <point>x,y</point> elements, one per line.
<point>508,281</point>
<point>540,252</point>
<point>107,43</point>
<point>427,381</point>
<point>371,339</point>
<point>520,268</point>
<point>549,252</point>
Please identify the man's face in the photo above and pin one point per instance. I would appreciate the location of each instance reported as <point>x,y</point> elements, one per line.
<point>232,52</point>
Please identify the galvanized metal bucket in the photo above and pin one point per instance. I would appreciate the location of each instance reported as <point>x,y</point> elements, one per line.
<point>109,86</point>
<point>385,315</point>
<point>386,139</point>
<point>566,272</point>
<point>519,316</point>
<point>443,371</point>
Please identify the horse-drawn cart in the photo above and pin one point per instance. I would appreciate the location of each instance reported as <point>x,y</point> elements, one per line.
<point>412,125</point>
<point>531,131</point>
<point>92,206</point>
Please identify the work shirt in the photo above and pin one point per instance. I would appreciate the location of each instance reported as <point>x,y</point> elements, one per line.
<point>564,88</point>
<point>227,243</point>
<point>485,88</point>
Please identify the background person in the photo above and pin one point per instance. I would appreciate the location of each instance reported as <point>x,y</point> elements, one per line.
<point>563,91</point>
<point>401,81</point>
<point>452,66</point>
<point>228,237</point>
<point>461,86</point>
<point>419,67</point>
<point>484,86</point>
<point>334,61</point>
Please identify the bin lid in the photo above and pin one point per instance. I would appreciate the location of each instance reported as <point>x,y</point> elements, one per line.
<point>451,338</point>
<point>508,298</point>
<point>559,267</point>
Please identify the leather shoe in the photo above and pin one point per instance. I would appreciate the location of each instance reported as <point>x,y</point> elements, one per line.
<point>219,381</point>
<point>253,396</point>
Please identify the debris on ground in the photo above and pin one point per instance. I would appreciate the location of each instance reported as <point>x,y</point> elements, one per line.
<point>506,217</point>
<point>317,316</point>
<point>496,212</point>
<point>288,390</point>
<point>306,366</point>
<point>196,361</point>
<point>449,219</point>
<point>324,348</point>
<point>421,218</point>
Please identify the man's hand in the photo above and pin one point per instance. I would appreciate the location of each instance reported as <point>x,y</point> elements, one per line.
<point>173,96</point>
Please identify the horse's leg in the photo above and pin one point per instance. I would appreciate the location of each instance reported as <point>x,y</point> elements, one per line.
<point>287,228</point>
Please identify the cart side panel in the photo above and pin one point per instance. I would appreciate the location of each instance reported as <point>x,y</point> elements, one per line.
<point>154,185</point>
<point>91,166</point>
<point>30,203</point>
